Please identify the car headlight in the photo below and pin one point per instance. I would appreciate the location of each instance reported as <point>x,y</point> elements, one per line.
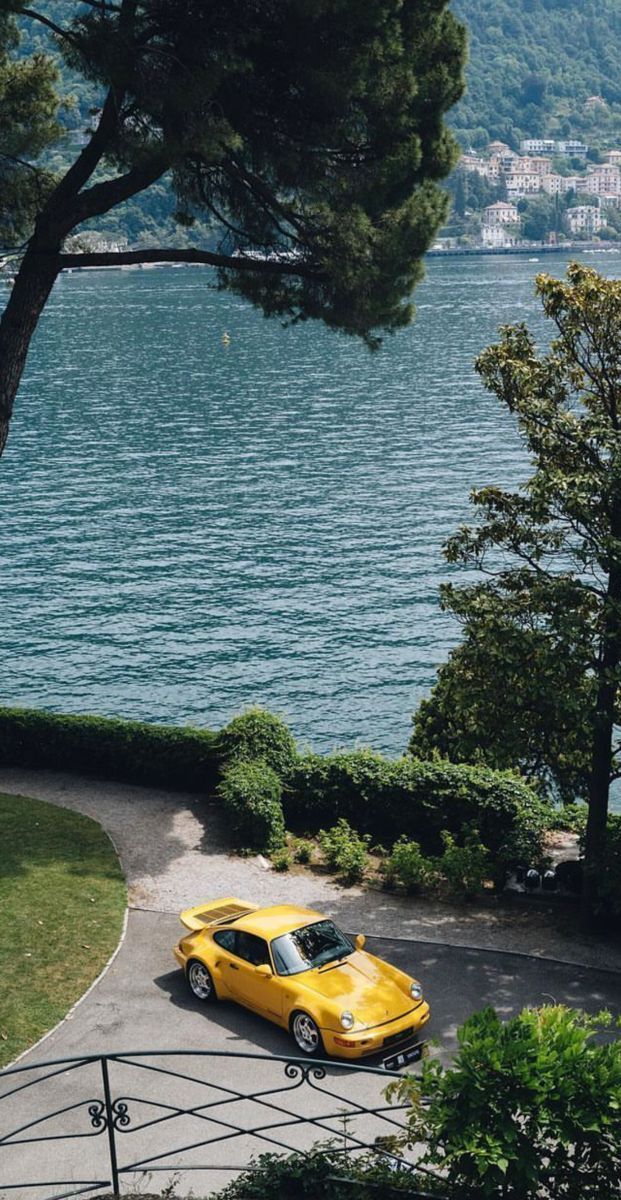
<point>416,991</point>
<point>347,1019</point>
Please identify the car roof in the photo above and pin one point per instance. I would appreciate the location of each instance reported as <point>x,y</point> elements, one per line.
<point>277,919</point>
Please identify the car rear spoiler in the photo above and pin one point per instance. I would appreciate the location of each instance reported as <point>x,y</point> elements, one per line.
<point>215,912</point>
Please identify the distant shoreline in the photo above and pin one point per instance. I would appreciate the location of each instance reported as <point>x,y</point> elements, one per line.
<point>530,251</point>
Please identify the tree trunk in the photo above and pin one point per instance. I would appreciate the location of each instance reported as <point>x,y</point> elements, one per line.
<point>601,749</point>
<point>31,289</point>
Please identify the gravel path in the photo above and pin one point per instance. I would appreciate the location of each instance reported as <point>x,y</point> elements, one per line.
<point>174,851</point>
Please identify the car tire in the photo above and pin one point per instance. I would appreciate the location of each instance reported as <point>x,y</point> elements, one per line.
<point>200,982</point>
<point>306,1035</point>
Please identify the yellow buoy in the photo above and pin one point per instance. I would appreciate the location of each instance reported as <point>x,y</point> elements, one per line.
<point>226,338</point>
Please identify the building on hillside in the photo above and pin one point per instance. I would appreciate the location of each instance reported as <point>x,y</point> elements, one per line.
<point>499,214</point>
<point>594,102</point>
<point>585,218</point>
<point>572,148</point>
<point>569,146</point>
<point>522,184</point>
<point>604,179</point>
<point>558,185</point>
<point>553,184</point>
<point>538,146</point>
<point>499,148</point>
<point>474,162</point>
<point>506,159</point>
<point>529,165</point>
<point>613,157</point>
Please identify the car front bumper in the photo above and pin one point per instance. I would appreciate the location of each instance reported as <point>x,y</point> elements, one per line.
<point>383,1039</point>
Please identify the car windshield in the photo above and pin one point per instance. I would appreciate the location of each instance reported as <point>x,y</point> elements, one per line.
<point>312,946</point>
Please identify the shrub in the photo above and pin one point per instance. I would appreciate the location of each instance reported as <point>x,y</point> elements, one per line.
<point>257,733</point>
<point>464,869</point>
<point>303,851</point>
<point>325,1172</point>
<point>530,1108</point>
<point>110,748</point>
<point>408,866</point>
<point>345,850</point>
<point>570,818</point>
<point>281,859</point>
<point>251,795</point>
<point>390,798</point>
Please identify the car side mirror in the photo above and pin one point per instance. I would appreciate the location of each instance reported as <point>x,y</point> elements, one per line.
<point>264,970</point>
<point>360,940</point>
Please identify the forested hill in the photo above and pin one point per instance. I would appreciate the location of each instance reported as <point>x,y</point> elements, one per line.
<point>534,63</point>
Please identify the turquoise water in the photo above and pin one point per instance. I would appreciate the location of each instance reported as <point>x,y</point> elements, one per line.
<point>188,527</point>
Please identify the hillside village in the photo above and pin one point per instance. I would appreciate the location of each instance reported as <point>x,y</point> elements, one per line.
<point>546,192</point>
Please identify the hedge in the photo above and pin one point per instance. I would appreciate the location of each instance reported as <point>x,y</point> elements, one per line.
<point>251,795</point>
<point>258,733</point>
<point>386,798</point>
<point>132,751</point>
<point>389,798</point>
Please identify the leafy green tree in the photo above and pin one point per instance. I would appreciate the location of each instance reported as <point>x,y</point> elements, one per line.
<point>538,217</point>
<point>311,132</point>
<point>537,677</point>
<point>529,1110</point>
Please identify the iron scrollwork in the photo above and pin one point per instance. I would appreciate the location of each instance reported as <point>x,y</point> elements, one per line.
<point>302,1072</point>
<point>120,1115</point>
<point>96,1112</point>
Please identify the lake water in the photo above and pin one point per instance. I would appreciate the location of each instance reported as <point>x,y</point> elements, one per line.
<point>190,527</point>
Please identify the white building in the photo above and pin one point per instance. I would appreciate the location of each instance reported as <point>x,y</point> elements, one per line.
<point>538,146</point>
<point>603,180</point>
<point>569,146</point>
<point>572,148</point>
<point>585,218</point>
<point>554,185</point>
<point>613,157</point>
<point>500,214</point>
<point>523,184</point>
<point>499,236</point>
<point>474,162</point>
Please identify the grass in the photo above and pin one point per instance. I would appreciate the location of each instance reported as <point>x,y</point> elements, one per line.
<point>62,901</point>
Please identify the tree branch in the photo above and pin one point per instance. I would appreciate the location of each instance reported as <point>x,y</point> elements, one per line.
<point>128,258</point>
<point>88,159</point>
<point>56,29</point>
<point>21,162</point>
<point>101,197</point>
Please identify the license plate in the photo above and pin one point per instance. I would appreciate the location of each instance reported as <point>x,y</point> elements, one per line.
<point>411,1054</point>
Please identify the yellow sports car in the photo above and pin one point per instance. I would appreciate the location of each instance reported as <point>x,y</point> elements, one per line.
<point>295,967</point>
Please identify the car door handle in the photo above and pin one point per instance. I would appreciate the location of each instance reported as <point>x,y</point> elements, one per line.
<point>233,967</point>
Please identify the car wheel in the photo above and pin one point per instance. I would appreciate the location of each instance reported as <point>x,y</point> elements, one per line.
<point>306,1034</point>
<point>200,982</point>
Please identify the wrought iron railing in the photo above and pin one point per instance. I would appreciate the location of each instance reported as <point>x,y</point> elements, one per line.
<point>76,1126</point>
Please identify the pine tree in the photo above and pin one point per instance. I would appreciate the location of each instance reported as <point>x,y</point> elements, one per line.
<point>311,130</point>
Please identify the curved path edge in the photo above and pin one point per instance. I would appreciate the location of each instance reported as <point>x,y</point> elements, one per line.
<point>174,851</point>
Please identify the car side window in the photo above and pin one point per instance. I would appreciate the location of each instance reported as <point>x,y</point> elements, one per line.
<point>251,948</point>
<point>226,939</point>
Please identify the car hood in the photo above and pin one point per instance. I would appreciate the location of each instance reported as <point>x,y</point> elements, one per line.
<point>364,985</point>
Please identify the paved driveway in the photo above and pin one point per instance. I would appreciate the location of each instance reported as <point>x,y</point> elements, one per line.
<point>142,1003</point>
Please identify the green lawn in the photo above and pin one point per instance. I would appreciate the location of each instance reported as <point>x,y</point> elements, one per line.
<point>62,900</point>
